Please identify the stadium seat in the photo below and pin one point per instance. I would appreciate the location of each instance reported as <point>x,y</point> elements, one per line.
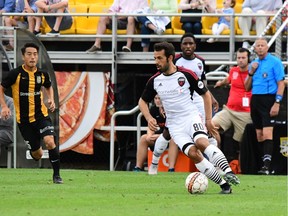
<point>177,25</point>
<point>89,25</point>
<point>207,23</point>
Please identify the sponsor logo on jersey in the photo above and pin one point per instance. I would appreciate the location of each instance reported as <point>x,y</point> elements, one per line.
<point>200,66</point>
<point>181,81</point>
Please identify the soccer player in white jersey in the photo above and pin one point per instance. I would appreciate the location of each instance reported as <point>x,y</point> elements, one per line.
<point>175,86</point>
<point>188,59</point>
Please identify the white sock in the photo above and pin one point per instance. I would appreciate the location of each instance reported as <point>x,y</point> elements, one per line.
<point>217,157</point>
<point>160,146</point>
<point>209,170</point>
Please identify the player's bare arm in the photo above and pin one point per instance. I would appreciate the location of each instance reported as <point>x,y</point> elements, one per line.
<point>152,123</point>
<point>51,102</point>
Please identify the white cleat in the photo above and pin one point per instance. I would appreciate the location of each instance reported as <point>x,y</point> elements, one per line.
<point>153,169</point>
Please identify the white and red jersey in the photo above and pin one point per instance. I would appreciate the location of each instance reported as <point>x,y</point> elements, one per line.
<point>198,66</point>
<point>175,91</point>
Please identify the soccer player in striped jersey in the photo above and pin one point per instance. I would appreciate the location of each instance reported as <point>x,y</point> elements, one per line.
<point>34,123</point>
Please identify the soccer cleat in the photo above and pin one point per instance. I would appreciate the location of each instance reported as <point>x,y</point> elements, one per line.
<point>171,170</point>
<point>57,180</point>
<point>264,171</point>
<point>153,169</point>
<point>226,189</point>
<point>53,33</point>
<point>231,178</point>
<point>93,49</point>
<point>137,169</point>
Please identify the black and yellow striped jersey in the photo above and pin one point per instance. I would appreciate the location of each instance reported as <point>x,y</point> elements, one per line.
<point>26,92</point>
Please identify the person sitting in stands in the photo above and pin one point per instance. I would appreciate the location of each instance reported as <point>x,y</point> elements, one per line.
<point>224,21</point>
<point>156,24</point>
<point>193,24</point>
<point>259,23</point>
<point>56,23</point>
<point>22,6</point>
<point>123,22</point>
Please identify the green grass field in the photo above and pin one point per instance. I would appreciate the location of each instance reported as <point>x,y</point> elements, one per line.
<point>86,192</point>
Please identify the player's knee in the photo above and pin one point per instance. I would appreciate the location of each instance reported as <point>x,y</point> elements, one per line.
<point>49,142</point>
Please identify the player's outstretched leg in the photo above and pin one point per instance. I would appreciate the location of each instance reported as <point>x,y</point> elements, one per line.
<point>217,157</point>
<point>209,170</point>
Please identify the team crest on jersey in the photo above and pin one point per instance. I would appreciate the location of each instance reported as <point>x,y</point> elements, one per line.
<point>200,85</point>
<point>38,79</point>
<point>199,66</point>
<point>181,81</point>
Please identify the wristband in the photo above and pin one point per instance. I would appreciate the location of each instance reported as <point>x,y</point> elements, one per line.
<point>249,74</point>
<point>278,98</point>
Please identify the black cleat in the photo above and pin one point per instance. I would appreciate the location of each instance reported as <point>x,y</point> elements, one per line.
<point>226,189</point>
<point>264,171</point>
<point>57,180</point>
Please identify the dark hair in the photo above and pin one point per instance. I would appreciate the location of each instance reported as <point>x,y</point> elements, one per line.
<point>188,34</point>
<point>233,3</point>
<point>241,50</point>
<point>167,47</point>
<point>23,49</point>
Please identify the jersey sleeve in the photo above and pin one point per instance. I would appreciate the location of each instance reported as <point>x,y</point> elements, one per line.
<point>149,92</point>
<point>10,78</point>
<point>47,80</point>
<point>195,83</point>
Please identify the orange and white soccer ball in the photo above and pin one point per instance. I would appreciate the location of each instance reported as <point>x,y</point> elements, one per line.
<point>196,183</point>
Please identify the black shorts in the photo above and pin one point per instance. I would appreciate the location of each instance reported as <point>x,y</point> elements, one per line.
<point>260,110</point>
<point>66,22</point>
<point>121,24</point>
<point>35,131</point>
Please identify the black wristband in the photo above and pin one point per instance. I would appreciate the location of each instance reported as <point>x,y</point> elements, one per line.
<point>250,74</point>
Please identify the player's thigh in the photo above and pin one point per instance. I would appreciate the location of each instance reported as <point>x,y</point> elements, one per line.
<point>30,135</point>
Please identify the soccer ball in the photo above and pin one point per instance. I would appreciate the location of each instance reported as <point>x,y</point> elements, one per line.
<point>196,183</point>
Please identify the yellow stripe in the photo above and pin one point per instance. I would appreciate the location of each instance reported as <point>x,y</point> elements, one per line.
<point>15,92</point>
<point>31,100</point>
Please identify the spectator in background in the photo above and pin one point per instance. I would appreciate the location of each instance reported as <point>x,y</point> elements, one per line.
<point>224,21</point>
<point>22,6</point>
<point>148,140</point>
<point>256,23</point>
<point>236,113</point>
<point>266,79</point>
<point>156,24</point>
<point>119,6</point>
<point>193,24</point>
<point>6,6</point>
<point>56,23</point>
<point>6,125</point>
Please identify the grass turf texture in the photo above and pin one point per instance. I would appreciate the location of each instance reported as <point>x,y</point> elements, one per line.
<point>31,192</point>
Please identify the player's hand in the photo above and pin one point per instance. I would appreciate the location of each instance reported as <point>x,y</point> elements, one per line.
<point>215,105</point>
<point>213,130</point>
<point>5,113</point>
<point>51,104</point>
<point>152,124</point>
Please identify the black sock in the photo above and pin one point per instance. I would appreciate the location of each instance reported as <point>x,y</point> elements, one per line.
<point>54,158</point>
<point>267,152</point>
